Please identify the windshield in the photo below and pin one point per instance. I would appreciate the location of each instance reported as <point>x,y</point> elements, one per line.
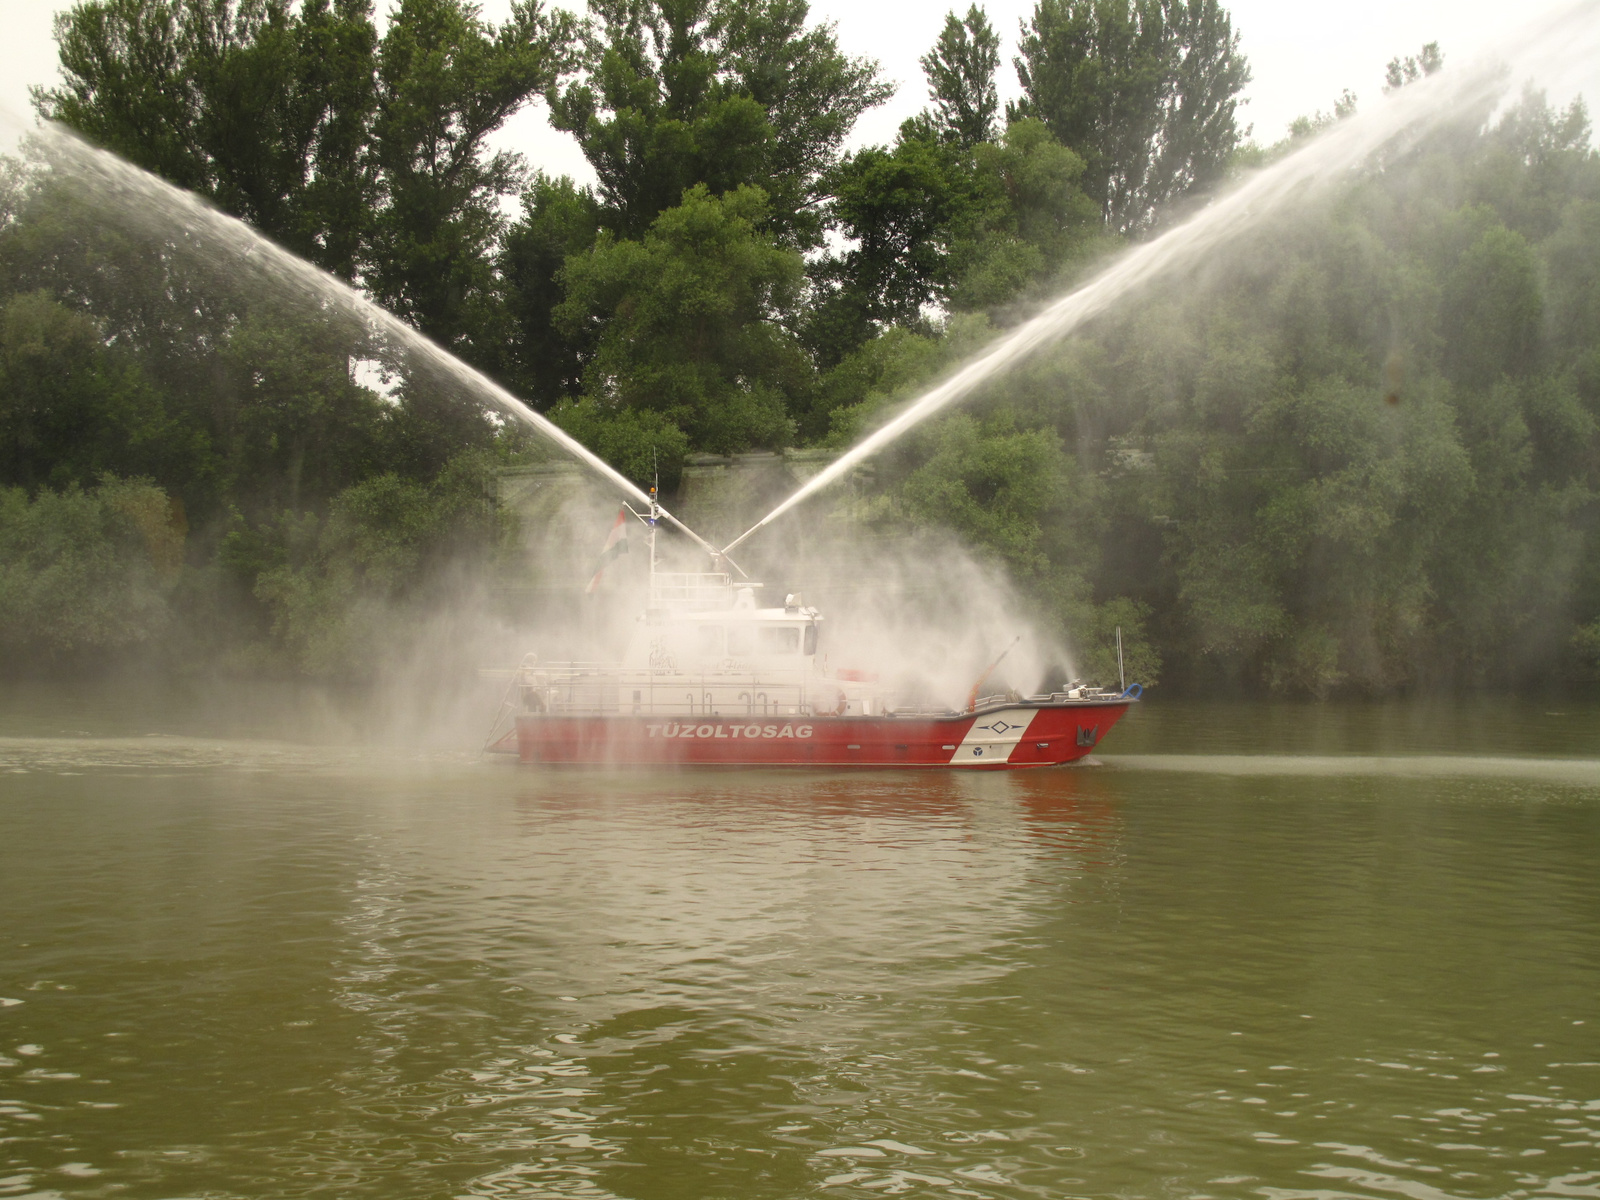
<point>781,639</point>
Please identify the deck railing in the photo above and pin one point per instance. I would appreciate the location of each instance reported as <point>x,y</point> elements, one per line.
<point>605,689</point>
<point>690,591</point>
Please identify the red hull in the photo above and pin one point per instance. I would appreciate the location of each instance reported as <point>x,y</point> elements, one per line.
<point>1013,735</point>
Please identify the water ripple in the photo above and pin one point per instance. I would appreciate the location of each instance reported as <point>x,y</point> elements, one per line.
<point>327,973</point>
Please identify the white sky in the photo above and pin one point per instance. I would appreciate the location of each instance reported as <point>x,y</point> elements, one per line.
<point>1302,55</point>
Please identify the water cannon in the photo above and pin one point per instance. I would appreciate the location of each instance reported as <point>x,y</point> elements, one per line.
<point>720,563</point>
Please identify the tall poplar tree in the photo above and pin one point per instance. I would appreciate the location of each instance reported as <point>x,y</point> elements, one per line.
<point>725,93</point>
<point>960,69</point>
<point>1145,91</point>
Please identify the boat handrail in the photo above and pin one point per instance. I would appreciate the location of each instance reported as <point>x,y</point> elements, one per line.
<point>691,590</point>
<point>660,693</point>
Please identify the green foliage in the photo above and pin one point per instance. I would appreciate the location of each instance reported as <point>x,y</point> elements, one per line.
<point>1361,451</point>
<point>137,356</point>
<point>719,93</point>
<point>1572,289</point>
<point>883,369</point>
<point>1303,540</point>
<point>72,409</point>
<point>1410,69</point>
<point>445,81</point>
<point>558,221</point>
<point>303,430</point>
<point>691,322</point>
<point>1028,220</point>
<point>85,572</point>
<point>348,590</point>
<point>989,482</point>
<point>262,106</point>
<point>933,222</point>
<point>899,207</point>
<point>1493,309</point>
<point>639,442</point>
<point>960,70</point>
<point>364,155</point>
<point>1362,454</point>
<point>1304,127</point>
<point>1145,91</point>
<point>1093,631</point>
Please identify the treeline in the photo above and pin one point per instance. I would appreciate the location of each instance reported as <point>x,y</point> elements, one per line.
<point>1361,453</point>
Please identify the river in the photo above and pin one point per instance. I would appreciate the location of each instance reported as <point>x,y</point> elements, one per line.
<point>1292,952</point>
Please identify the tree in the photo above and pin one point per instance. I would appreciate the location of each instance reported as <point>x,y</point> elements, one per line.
<point>1343,108</point>
<point>299,428</point>
<point>349,588</point>
<point>1026,221</point>
<point>559,220</point>
<point>898,207</point>
<point>1493,309</point>
<point>994,484</point>
<point>263,108</point>
<point>935,223</point>
<point>1145,91</point>
<point>679,93</point>
<point>446,81</point>
<point>949,215</point>
<point>692,323</point>
<point>960,70</point>
<point>1402,71</point>
<point>367,157</point>
<point>85,572</point>
<point>73,409</point>
<point>1199,120</point>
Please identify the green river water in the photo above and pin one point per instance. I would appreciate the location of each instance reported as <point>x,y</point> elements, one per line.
<point>1288,952</point>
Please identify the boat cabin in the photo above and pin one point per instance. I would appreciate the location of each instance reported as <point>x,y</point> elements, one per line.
<point>702,648</point>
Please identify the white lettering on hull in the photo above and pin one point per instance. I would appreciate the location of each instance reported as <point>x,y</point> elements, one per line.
<point>675,730</point>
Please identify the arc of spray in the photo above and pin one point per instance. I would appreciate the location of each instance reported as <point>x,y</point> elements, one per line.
<point>1347,144</point>
<point>118,175</point>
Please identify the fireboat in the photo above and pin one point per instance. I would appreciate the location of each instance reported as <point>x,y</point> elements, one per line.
<point>711,678</point>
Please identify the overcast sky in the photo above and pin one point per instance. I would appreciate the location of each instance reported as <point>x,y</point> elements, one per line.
<point>1301,55</point>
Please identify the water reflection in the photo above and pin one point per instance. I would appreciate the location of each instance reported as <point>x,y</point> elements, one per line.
<point>339,974</point>
<point>750,964</point>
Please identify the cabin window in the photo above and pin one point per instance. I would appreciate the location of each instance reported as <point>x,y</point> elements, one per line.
<point>740,642</point>
<point>811,640</point>
<point>708,641</point>
<point>781,639</point>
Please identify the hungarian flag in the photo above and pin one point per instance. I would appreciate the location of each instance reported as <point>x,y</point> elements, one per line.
<point>616,543</point>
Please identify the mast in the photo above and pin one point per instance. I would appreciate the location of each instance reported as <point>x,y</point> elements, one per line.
<point>655,512</point>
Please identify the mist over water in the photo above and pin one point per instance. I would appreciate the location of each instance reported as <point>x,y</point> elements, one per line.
<point>931,616</point>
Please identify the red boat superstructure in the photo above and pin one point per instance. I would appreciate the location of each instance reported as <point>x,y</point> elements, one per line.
<point>710,678</point>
